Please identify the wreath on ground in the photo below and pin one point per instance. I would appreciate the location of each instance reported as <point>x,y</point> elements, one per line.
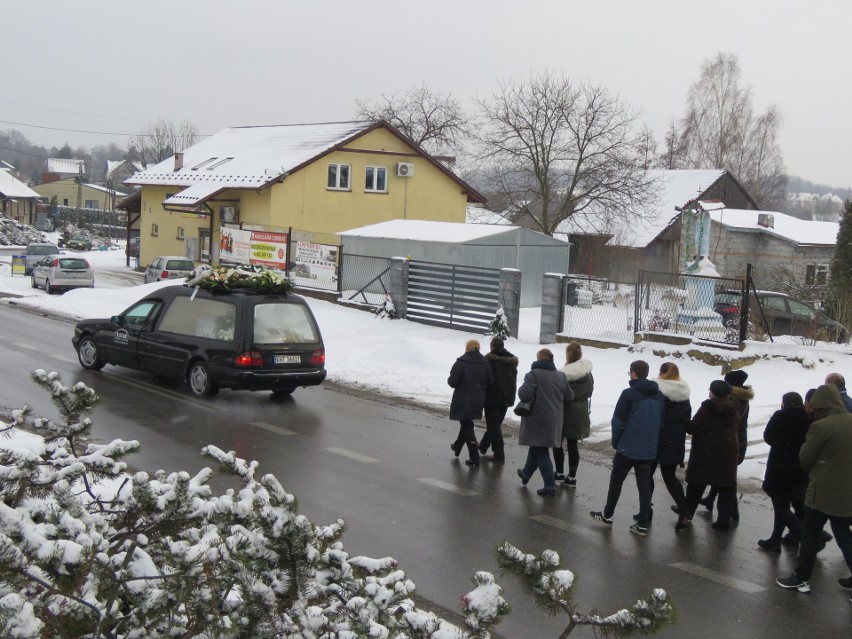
<point>252,278</point>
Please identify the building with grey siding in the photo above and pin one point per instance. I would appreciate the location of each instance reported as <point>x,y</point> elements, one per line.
<point>485,245</point>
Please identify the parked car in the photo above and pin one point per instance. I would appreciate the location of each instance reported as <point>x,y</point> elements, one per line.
<point>80,242</point>
<point>61,273</point>
<point>785,315</point>
<point>168,267</point>
<point>36,252</point>
<point>239,340</point>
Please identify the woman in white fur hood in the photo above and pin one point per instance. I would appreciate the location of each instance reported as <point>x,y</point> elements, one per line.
<point>671,448</point>
<point>576,424</point>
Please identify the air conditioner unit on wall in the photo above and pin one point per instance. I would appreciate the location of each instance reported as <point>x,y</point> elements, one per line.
<point>404,169</point>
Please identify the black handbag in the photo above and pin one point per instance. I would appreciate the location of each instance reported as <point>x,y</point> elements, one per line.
<point>524,408</point>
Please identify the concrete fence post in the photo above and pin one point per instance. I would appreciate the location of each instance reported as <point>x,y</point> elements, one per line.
<point>398,285</point>
<point>552,308</point>
<point>510,297</point>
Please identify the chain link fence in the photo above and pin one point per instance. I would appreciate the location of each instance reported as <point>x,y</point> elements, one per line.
<point>363,278</point>
<point>599,308</point>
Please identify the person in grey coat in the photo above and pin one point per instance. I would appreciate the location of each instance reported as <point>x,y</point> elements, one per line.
<point>576,424</point>
<point>541,430</point>
<point>469,378</point>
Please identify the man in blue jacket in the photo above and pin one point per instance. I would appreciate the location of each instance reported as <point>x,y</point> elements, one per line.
<point>635,430</point>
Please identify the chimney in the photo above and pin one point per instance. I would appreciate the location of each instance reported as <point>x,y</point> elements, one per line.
<point>766,220</point>
<point>178,161</point>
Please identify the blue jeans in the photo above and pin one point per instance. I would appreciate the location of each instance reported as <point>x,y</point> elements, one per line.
<point>621,466</point>
<point>538,457</point>
<point>811,528</point>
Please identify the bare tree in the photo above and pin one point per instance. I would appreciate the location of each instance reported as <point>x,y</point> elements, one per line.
<point>161,139</point>
<point>554,149</point>
<point>721,131</point>
<point>432,120</point>
<point>673,155</point>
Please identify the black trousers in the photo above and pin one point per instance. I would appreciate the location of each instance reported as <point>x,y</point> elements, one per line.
<point>673,485</point>
<point>621,466</point>
<point>493,437</point>
<point>467,435</point>
<point>727,500</point>
<point>573,458</point>
<point>811,531</point>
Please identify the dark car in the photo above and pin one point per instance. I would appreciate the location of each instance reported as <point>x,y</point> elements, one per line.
<point>79,242</point>
<point>238,340</point>
<point>785,315</point>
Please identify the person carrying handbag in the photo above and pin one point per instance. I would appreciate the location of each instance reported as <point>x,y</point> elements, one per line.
<point>541,430</point>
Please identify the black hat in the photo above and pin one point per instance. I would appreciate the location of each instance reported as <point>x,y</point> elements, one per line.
<point>720,388</point>
<point>736,378</point>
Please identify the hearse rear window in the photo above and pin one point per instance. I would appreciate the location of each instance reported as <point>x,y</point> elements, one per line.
<point>283,324</point>
<point>210,319</point>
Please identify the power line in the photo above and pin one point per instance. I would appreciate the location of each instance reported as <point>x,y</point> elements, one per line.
<point>53,128</point>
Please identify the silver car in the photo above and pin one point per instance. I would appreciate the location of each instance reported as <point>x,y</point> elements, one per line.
<point>36,252</point>
<point>58,273</point>
<point>168,267</point>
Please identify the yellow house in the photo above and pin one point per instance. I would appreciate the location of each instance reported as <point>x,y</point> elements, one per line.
<point>91,196</point>
<point>314,178</point>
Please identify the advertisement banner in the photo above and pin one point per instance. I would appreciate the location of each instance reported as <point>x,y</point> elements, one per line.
<point>317,262</point>
<point>265,248</point>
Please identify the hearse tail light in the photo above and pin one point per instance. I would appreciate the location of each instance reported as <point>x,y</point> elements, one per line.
<point>249,359</point>
<point>318,357</point>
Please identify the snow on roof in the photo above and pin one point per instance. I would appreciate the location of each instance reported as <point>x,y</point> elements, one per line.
<point>677,187</point>
<point>61,165</point>
<point>10,186</point>
<point>250,157</point>
<point>784,226</point>
<point>476,214</point>
<point>429,231</point>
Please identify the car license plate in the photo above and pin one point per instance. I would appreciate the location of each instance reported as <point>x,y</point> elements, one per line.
<point>286,359</point>
<point>73,274</point>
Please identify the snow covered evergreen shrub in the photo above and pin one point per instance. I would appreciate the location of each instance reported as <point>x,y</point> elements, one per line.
<point>499,326</point>
<point>387,309</point>
<point>88,551</point>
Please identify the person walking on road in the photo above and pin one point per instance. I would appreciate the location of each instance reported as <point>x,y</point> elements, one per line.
<point>636,424</point>
<point>671,448</point>
<point>825,456</point>
<point>714,452</point>
<point>576,424</point>
<point>541,430</point>
<point>469,378</point>
<point>784,481</point>
<point>500,395</point>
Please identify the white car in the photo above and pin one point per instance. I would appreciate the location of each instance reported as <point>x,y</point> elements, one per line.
<point>169,267</point>
<point>58,273</point>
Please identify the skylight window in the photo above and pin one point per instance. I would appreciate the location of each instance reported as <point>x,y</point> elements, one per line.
<point>206,162</point>
<point>219,163</point>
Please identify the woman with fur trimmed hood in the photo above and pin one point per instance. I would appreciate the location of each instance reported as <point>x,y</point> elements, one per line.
<point>671,447</point>
<point>576,424</point>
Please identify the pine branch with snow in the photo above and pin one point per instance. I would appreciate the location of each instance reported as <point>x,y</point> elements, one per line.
<point>387,308</point>
<point>552,589</point>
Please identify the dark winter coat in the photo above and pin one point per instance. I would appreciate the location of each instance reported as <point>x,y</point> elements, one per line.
<point>575,422</point>
<point>785,433</point>
<point>671,448</point>
<point>543,426</point>
<point>743,395</point>
<point>469,378</point>
<point>847,401</point>
<point>504,368</point>
<point>827,454</point>
<point>637,419</point>
<point>715,445</point>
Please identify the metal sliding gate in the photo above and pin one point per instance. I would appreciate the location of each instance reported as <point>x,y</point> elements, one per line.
<point>452,296</point>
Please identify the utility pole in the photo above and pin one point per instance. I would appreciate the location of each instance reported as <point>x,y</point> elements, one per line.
<point>79,190</point>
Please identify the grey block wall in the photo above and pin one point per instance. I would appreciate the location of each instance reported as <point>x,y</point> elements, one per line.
<point>510,297</point>
<point>398,285</point>
<point>551,308</point>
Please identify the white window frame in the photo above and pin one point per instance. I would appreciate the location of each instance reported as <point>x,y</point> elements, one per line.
<point>181,233</point>
<point>337,186</point>
<point>370,181</point>
<point>155,229</point>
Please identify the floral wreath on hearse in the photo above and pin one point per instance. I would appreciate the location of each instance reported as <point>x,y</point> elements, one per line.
<point>253,278</point>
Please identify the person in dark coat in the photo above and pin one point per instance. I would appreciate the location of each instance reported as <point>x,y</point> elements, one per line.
<point>825,457</point>
<point>576,424</point>
<point>636,424</point>
<point>784,481</point>
<point>541,430</point>
<point>838,380</point>
<point>469,378</point>
<point>743,395</point>
<point>671,448</point>
<point>500,395</point>
<point>715,451</point>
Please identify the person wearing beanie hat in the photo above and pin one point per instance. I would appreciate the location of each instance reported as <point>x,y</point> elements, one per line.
<point>743,394</point>
<point>713,456</point>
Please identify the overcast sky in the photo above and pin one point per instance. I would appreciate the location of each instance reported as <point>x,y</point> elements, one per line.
<point>113,66</point>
